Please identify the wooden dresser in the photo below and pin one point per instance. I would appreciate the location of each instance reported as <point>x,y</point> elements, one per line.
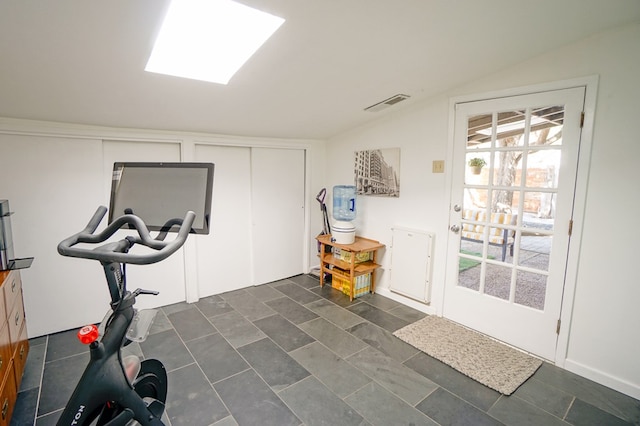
<point>14,345</point>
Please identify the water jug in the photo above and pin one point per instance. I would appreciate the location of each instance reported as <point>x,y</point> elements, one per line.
<point>344,202</point>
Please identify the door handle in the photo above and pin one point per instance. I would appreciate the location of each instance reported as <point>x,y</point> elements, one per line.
<point>455,229</point>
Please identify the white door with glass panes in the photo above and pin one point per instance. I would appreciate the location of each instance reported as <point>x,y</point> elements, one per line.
<point>513,181</point>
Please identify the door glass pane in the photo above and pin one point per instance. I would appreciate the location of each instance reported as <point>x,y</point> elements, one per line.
<point>507,167</point>
<point>546,126</point>
<point>538,211</point>
<point>498,281</point>
<point>542,169</point>
<point>530,289</point>
<point>500,241</point>
<point>510,128</point>
<point>504,200</point>
<point>469,268</point>
<point>477,171</point>
<point>474,199</point>
<point>479,130</point>
<point>534,252</point>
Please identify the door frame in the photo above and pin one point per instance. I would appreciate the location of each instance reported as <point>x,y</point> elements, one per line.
<point>590,84</point>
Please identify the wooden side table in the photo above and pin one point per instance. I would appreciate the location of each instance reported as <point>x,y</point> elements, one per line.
<point>351,269</point>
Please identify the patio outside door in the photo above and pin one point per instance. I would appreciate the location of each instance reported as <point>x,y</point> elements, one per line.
<point>510,221</point>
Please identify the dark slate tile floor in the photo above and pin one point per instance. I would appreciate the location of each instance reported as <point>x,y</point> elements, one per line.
<point>292,353</point>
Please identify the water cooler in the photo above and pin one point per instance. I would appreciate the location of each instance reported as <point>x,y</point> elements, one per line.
<point>343,230</point>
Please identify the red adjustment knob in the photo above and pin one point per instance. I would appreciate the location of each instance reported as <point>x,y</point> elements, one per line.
<point>88,334</point>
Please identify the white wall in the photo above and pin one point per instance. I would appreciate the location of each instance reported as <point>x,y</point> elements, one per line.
<point>56,175</point>
<point>603,342</point>
<point>421,204</point>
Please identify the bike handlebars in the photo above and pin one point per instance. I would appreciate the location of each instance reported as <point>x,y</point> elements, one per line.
<point>113,252</point>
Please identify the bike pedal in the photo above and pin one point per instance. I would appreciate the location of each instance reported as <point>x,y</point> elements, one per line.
<point>156,407</point>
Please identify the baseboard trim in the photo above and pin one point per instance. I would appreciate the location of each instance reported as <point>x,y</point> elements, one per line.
<point>605,379</point>
<point>422,307</point>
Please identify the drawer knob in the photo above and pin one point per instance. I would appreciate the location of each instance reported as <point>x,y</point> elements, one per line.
<point>22,347</point>
<point>5,408</point>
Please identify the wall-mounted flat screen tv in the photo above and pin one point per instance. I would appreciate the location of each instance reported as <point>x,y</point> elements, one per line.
<point>160,192</point>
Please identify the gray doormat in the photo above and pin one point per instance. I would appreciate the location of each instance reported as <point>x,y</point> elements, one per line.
<point>475,355</point>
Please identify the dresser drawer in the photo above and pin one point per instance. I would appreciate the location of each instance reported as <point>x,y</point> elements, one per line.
<point>20,356</point>
<point>5,351</point>
<point>15,322</point>
<point>9,278</point>
<point>8,395</point>
<point>12,289</point>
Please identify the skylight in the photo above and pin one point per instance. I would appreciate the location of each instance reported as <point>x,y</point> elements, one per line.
<point>209,39</point>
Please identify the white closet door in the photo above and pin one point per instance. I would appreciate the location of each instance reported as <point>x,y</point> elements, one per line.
<point>277,180</point>
<point>224,256</point>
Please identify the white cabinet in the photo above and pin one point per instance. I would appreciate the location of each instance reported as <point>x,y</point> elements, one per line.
<point>411,256</point>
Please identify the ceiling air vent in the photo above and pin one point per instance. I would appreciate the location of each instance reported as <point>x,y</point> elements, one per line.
<point>386,103</point>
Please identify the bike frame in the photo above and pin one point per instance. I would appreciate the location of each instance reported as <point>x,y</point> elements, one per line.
<point>109,389</point>
<point>105,378</point>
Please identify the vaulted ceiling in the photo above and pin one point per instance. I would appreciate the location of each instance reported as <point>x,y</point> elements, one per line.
<point>80,61</point>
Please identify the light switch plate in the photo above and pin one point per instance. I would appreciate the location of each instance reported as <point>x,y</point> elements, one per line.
<point>438,166</point>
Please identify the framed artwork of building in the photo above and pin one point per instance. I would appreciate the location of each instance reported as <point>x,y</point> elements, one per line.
<point>377,172</point>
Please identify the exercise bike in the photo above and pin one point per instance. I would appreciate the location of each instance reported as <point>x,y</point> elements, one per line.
<point>114,390</point>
